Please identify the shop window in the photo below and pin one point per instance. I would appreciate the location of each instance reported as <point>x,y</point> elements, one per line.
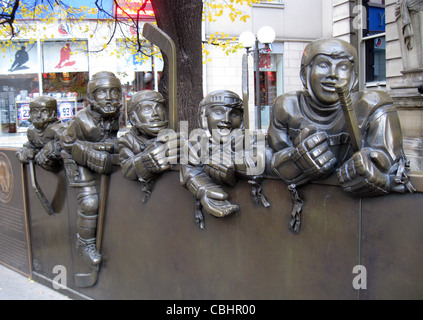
<point>18,80</point>
<point>373,44</point>
<point>14,91</point>
<point>270,66</point>
<point>65,75</point>
<point>69,89</point>
<point>376,60</point>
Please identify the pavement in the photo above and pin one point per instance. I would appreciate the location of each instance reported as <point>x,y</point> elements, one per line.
<point>16,286</point>
<point>13,140</point>
<point>16,140</point>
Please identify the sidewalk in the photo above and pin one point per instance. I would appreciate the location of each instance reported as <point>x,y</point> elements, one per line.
<point>16,140</point>
<point>15,286</point>
<point>13,140</point>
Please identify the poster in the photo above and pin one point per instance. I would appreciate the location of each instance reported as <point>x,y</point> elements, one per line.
<point>19,58</point>
<point>64,56</point>
<point>65,110</point>
<point>23,115</point>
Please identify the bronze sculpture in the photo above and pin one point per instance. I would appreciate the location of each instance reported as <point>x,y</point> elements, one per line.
<point>311,139</point>
<point>88,147</point>
<point>43,146</point>
<point>142,155</point>
<point>219,112</point>
<point>218,156</point>
<point>43,135</point>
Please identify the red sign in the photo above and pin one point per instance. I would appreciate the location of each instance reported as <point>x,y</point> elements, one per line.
<point>133,8</point>
<point>265,61</point>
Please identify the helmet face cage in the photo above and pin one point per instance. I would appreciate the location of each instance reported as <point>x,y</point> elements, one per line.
<point>145,95</point>
<point>103,79</point>
<point>221,97</point>
<point>105,107</point>
<point>144,126</point>
<point>43,102</point>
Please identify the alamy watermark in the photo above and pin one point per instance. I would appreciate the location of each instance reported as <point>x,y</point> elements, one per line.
<point>360,17</point>
<point>360,280</point>
<point>237,147</point>
<point>60,280</point>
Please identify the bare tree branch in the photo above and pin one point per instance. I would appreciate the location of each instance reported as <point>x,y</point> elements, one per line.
<point>9,18</point>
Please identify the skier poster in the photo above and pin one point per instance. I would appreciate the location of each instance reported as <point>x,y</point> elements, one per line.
<point>64,56</point>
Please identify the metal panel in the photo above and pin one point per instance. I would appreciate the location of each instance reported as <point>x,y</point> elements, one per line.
<point>392,246</point>
<point>14,243</point>
<point>156,251</point>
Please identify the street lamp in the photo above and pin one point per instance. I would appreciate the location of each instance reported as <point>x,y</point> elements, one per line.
<point>265,35</point>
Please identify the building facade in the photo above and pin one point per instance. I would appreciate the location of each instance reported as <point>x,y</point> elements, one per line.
<point>62,56</point>
<point>59,59</point>
<point>295,22</point>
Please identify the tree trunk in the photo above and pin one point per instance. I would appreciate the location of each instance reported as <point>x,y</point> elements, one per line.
<point>182,21</point>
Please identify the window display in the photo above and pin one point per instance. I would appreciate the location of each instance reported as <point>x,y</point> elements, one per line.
<point>270,65</point>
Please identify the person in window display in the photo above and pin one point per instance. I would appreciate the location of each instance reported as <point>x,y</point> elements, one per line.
<point>310,137</point>
<point>43,135</point>
<point>142,156</point>
<point>88,147</point>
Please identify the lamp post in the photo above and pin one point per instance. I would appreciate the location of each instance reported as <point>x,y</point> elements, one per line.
<point>265,35</point>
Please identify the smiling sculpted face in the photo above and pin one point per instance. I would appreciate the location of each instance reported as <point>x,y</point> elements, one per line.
<point>220,113</point>
<point>222,120</point>
<point>325,73</point>
<point>324,63</point>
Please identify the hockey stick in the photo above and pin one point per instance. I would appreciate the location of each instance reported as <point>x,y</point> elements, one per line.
<point>349,113</point>
<point>166,45</point>
<point>84,280</point>
<point>46,204</point>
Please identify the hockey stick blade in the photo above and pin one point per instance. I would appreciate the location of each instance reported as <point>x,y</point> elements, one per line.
<point>85,280</point>
<point>46,204</point>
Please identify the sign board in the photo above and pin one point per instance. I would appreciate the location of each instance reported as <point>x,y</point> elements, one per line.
<point>14,237</point>
<point>64,56</point>
<point>376,19</point>
<point>65,110</point>
<point>131,9</point>
<point>19,58</point>
<point>22,115</point>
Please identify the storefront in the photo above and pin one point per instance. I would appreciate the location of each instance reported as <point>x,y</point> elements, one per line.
<point>56,68</point>
<point>271,80</point>
<point>61,69</point>
<point>58,59</point>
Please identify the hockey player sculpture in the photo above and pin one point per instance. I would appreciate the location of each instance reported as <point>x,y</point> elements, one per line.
<point>43,146</point>
<point>142,155</point>
<point>219,157</point>
<point>43,135</point>
<point>331,127</point>
<point>88,148</point>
